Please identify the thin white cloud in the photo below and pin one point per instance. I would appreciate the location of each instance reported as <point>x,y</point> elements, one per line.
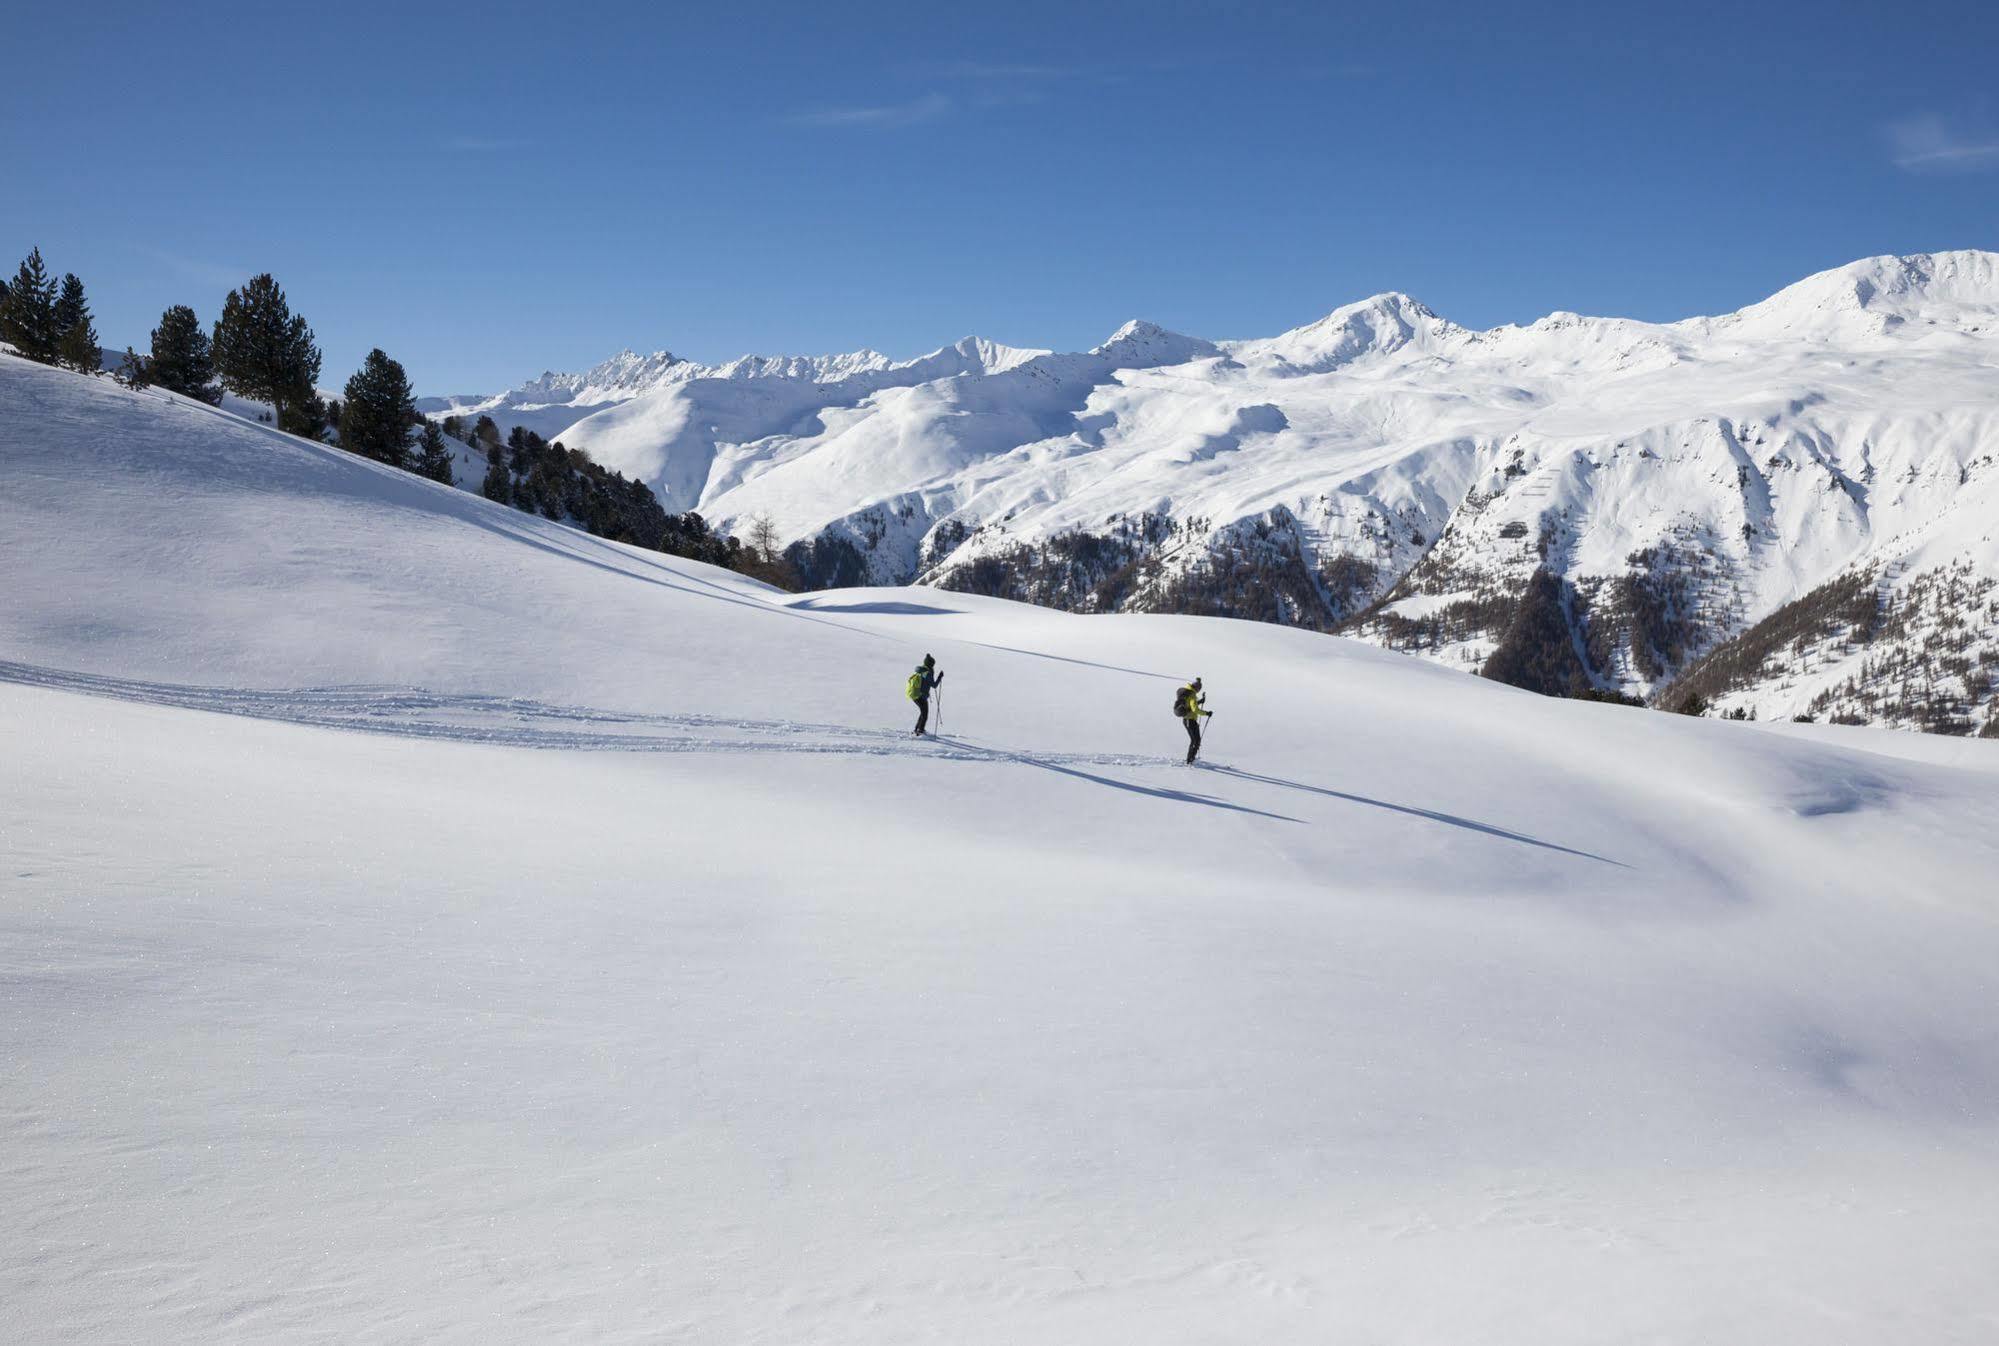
<point>927,108</point>
<point>1933,144</point>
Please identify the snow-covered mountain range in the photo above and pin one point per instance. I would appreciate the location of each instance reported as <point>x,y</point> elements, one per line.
<point>552,402</point>
<point>1597,502</point>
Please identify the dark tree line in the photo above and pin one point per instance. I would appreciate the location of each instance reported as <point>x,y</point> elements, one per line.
<point>1538,649</point>
<point>537,477</point>
<point>260,350</point>
<point>46,320</point>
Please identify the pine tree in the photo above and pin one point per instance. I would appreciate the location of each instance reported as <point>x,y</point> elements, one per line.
<point>28,318</point>
<point>498,484</point>
<point>377,412</point>
<point>183,360</point>
<point>76,334</point>
<point>135,371</point>
<point>435,457</point>
<point>264,351</point>
<point>308,418</point>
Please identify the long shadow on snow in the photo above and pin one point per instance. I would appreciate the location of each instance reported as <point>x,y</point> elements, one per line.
<point>1432,814</point>
<point>718,596</point>
<point>1177,796</point>
<point>891,609</point>
<point>1065,659</point>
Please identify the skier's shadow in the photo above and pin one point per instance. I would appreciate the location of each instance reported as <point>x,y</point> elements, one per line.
<point>1179,796</point>
<point>1432,814</point>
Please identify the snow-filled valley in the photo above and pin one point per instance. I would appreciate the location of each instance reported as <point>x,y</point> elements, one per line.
<point>1386,473</point>
<point>424,921</point>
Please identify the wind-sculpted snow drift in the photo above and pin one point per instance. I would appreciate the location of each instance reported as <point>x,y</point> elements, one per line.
<point>1388,473</point>
<point>425,921</point>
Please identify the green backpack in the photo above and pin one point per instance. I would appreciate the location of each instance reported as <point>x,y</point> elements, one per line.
<point>916,685</point>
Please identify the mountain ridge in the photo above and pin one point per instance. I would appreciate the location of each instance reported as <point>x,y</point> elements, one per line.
<point>1381,470</point>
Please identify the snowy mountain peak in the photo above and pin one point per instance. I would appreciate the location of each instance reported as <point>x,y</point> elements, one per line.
<point>627,372</point>
<point>1879,295</point>
<point>813,368</point>
<point>1139,343</point>
<point>993,358</point>
<point>542,403</point>
<point>1377,325</point>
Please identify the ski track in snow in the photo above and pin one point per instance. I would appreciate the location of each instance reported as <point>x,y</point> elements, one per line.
<point>521,722</point>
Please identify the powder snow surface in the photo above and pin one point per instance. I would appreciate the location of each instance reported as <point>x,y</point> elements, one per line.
<point>423,922</point>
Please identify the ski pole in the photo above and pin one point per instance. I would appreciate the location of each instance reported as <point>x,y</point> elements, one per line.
<point>940,708</point>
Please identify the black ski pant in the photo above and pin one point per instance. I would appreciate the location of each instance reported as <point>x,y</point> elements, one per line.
<point>1193,723</point>
<point>922,713</point>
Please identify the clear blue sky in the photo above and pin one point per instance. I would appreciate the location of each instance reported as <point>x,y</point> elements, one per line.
<point>489,190</point>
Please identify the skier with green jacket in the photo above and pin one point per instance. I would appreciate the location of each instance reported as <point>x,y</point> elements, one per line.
<point>1190,704</point>
<point>921,682</point>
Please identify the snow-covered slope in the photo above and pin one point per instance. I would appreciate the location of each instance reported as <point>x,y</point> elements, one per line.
<point>427,922</point>
<point>1679,481</point>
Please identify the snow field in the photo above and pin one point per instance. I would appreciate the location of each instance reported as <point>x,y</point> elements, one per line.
<point>426,922</point>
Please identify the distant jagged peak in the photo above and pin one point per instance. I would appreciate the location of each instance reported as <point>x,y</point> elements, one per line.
<point>1562,320</point>
<point>993,357</point>
<point>968,355</point>
<point>626,374</point>
<point>1140,343</point>
<point>812,368</point>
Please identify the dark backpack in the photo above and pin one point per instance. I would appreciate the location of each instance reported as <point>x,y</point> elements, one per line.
<point>1183,702</point>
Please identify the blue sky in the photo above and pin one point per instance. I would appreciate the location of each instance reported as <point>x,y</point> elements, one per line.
<point>486,191</point>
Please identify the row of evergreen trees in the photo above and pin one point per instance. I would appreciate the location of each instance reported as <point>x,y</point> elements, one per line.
<point>262,351</point>
<point>46,321</point>
<point>538,477</point>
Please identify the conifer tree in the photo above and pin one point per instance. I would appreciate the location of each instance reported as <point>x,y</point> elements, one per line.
<point>183,360</point>
<point>76,334</point>
<point>135,371</point>
<point>28,318</point>
<point>308,418</point>
<point>499,485</point>
<point>264,351</point>
<point>377,411</point>
<point>434,460</point>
